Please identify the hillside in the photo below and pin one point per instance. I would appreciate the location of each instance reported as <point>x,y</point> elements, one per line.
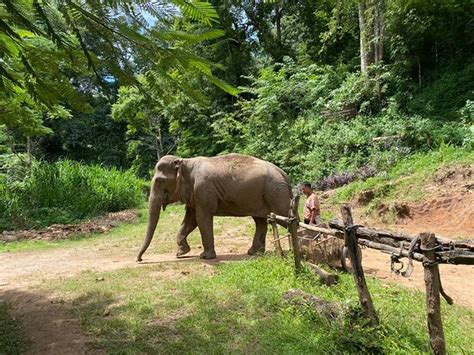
<point>425,192</point>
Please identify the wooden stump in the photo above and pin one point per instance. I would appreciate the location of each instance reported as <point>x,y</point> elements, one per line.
<point>432,284</point>
<point>358,273</point>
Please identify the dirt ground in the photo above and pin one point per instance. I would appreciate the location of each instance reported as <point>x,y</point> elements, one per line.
<point>51,328</point>
<point>47,321</point>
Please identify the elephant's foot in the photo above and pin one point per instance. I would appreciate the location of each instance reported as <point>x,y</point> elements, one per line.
<point>182,250</point>
<point>208,254</point>
<point>256,250</point>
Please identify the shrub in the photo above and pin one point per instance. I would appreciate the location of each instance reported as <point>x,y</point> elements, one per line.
<point>64,192</point>
<point>286,121</point>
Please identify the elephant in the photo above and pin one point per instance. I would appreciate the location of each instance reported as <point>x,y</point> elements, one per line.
<point>227,185</point>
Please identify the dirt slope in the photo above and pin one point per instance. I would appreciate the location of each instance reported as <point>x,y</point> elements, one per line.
<point>447,209</point>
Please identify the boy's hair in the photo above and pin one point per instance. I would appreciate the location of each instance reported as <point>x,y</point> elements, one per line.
<point>307,184</point>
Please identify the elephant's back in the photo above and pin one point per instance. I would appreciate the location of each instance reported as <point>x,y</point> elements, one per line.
<point>243,180</point>
<point>235,163</point>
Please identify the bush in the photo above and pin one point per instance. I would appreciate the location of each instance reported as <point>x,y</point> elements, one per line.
<point>65,192</point>
<point>292,120</point>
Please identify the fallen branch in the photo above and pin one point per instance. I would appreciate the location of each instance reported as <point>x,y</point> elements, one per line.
<point>327,277</point>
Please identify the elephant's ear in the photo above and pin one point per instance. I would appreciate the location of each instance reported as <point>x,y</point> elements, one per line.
<point>181,184</point>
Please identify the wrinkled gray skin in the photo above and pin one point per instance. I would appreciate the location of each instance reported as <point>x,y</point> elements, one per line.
<point>228,185</point>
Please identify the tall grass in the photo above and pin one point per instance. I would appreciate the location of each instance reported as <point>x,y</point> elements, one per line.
<point>64,192</point>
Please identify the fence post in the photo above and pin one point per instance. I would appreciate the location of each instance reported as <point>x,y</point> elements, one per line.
<point>350,240</point>
<point>276,237</point>
<point>293,229</point>
<point>432,284</point>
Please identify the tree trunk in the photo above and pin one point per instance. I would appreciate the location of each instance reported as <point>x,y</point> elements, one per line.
<point>278,12</point>
<point>365,57</point>
<point>371,31</point>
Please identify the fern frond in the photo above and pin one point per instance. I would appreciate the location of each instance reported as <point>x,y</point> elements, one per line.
<point>187,38</point>
<point>52,21</point>
<point>201,11</point>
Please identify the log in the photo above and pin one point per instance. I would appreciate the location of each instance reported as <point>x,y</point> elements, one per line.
<point>461,256</point>
<point>449,252</point>
<point>374,235</point>
<point>388,237</point>
<point>333,232</point>
<point>276,237</point>
<point>432,284</point>
<point>328,278</point>
<point>389,249</point>
<point>328,231</point>
<point>293,229</point>
<point>357,271</point>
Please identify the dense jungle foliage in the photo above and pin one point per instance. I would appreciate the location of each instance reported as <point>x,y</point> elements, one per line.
<point>319,87</point>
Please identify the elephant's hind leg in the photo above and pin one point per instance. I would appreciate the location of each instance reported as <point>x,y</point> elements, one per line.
<point>258,245</point>
<point>187,226</point>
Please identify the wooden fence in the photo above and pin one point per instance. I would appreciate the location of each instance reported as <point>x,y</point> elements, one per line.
<point>425,248</point>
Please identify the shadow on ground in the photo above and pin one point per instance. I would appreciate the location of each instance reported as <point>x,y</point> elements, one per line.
<point>46,323</point>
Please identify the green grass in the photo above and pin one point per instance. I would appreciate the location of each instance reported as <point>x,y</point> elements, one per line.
<point>406,180</point>
<point>238,309</point>
<point>234,307</point>
<point>11,342</point>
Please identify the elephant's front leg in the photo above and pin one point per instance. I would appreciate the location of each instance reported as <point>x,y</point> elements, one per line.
<point>258,245</point>
<point>205,224</point>
<point>187,226</point>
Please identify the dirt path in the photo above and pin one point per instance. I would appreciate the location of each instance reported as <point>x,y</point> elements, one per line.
<point>457,280</point>
<point>48,324</point>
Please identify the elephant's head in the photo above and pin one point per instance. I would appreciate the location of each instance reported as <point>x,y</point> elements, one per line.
<point>164,190</point>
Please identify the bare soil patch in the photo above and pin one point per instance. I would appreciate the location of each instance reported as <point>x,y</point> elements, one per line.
<point>447,211</point>
<point>63,231</point>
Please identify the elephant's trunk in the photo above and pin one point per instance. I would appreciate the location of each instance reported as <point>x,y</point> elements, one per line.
<point>154,206</point>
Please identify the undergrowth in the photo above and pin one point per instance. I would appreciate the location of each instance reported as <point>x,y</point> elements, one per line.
<point>64,192</point>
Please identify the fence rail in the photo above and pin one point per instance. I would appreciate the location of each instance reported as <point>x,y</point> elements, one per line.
<point>425,248</point>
